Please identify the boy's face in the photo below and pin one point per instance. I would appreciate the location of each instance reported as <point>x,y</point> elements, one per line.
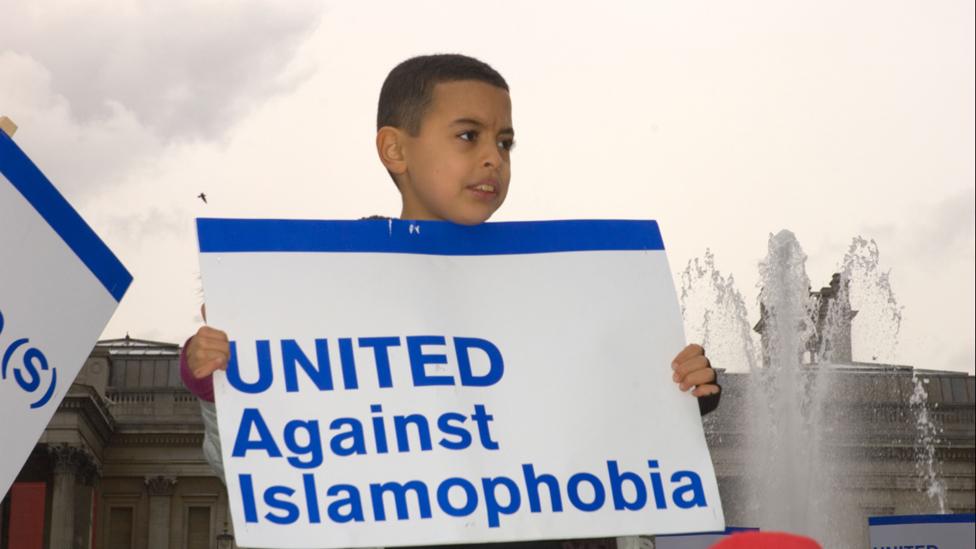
<point>457,167</point>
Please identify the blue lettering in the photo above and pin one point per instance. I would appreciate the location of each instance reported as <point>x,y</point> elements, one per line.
<point>272,501</point>
<point>399,492</point>
<point>251,419</point>
<point>292,355</point>
<point>348,359</point>
<point>355,436</point>
<point>263,348</point>
<point>352,500</point>
<point>482,418</point>
<point>379,429</point>
<point>694,487</point>
<point>496,367</point>
<point>427,367</point>
<point>419,361</point>
<point>444,424</point>
<point>381,355</point>
<point>423,431</point>
<point>659,500</point>
<point>29,359</point>
<point>313,447</point>
<point>617,480</point>
<point>532,483</point>
<point>909,546</point>
<point>311,499</point>
<point>470,495</point>
<point>493,509</point>
<point>572,490</point>
<point>247,497</point>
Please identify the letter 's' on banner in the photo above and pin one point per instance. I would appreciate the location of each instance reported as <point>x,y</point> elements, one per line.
<point>411,383</point>
<point>59,285</point>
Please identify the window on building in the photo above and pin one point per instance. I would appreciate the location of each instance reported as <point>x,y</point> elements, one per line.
<point>198,528</point>
<point>117,377</point>
<point>959,389</point>
<point>131,369</point>
<point>120,528</point>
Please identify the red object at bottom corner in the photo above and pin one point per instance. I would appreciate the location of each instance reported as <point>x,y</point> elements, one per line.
<point>766,540</point>
<point>27,507</point>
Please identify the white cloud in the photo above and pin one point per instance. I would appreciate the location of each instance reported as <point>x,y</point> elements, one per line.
<point>101,89</point>
<point>80,156</point>
<point>182,67</point>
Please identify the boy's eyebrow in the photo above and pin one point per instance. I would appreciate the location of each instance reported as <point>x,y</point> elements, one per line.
<point>473,122</point>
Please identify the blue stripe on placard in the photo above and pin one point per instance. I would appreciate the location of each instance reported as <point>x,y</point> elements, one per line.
<point>425,237</point>
<point>63,219</point>
<point>921,519</point>
<point>727,532</point>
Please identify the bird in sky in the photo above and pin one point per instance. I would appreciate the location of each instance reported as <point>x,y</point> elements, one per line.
<point>203,197</point>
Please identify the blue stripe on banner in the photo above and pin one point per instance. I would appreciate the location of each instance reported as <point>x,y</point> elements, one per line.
<point>921,519</point>
<point>425,237</point>
<point>30,182</point>
<point>727,532</point>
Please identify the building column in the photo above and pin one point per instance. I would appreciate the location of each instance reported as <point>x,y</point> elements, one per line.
<point>67,462</point>
<point>88,475</point>
<point>160,497</point>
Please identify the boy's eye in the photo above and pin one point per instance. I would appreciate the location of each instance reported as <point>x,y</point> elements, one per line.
<point>472,136</point>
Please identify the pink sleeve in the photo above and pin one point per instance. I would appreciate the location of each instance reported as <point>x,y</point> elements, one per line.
<point>201,388</point>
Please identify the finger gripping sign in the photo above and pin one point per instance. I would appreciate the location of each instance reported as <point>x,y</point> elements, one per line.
<point>59,285</point>
<point>403,383</point>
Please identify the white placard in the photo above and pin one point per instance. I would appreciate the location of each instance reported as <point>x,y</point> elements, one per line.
<point>401,383</point>
<point>923,531</point>
<point>59,285</point>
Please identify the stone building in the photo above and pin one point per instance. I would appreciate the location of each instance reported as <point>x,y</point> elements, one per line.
<point>872,435</point>
<point>120,465</point>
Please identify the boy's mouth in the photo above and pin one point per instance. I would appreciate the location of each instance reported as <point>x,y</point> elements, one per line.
<point>485,188</point>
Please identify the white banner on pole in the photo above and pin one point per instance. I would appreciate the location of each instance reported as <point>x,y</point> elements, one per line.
<point>403,383</point>
<point>923,531</point>
<point>59,285</point>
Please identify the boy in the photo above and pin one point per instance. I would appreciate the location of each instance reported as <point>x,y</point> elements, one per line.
<point>445,135</point>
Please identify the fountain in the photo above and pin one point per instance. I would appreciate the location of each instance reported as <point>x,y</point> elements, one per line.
<point>799,358</point>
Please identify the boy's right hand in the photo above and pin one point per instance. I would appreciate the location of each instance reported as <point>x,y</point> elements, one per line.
<point>208,351</point>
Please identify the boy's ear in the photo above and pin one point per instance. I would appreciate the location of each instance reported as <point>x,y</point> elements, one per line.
<point>390,143</point>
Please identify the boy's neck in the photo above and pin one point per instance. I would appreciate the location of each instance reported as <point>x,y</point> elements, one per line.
<point>412,214</point>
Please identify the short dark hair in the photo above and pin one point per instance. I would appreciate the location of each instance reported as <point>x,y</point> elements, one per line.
<point>409,88</point>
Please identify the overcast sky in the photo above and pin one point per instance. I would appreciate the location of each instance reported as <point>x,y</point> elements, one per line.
<point>725,121</point>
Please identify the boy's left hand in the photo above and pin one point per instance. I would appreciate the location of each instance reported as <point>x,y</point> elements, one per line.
<point>693,370</point>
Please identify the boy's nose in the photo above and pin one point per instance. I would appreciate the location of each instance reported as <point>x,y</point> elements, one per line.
<point>493,158</point>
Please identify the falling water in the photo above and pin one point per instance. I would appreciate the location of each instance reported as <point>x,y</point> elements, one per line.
<point>797,478</point>
<point>714,309</point>
<point>786,401</point>
<point>926,465</point>
<point>869,292</point>
<point>876,337</point>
